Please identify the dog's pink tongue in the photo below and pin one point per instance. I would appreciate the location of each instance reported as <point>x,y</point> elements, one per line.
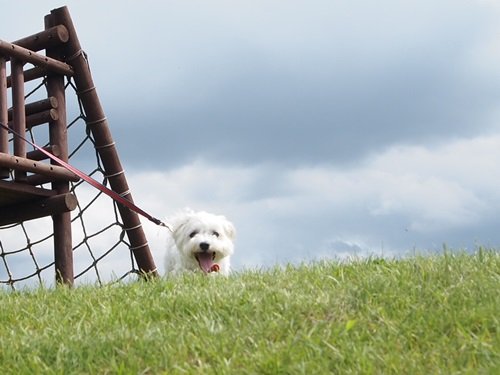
<point>205,261</point>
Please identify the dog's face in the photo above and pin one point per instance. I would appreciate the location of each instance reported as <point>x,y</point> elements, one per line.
<point>204,239</point>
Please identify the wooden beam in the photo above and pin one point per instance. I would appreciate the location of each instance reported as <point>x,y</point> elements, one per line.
<point>26,55</point>
<point>36,209</point>
<point>12,192</point>
<point>44,39</point>
<point>39,155</point>
<point>38,106</point>
<point>39,118</point>
<point>30,74</point>
<point>55,172</point>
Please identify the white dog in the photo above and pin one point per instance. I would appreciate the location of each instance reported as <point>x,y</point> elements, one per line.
<point>200,241</point>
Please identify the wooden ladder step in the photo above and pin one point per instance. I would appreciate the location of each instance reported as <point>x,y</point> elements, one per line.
<point>55,172</point>
<point>20,202</point>
<point>12,193</point>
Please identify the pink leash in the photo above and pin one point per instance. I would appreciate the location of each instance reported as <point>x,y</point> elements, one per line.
<point>115,196</point>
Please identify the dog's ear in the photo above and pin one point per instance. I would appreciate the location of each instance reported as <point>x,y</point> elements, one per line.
<point>229,229</point>
<point>179,227</point>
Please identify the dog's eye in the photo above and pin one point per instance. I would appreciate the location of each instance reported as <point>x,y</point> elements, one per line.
<point>216,234</point>
<point>192,234</point>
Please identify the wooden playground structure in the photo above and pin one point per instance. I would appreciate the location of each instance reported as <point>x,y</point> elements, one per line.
<point>31,187</point>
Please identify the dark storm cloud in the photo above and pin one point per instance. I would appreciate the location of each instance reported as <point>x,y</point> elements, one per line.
<point>334,96</point>
<point>296,82</point>
<point>264,114</point>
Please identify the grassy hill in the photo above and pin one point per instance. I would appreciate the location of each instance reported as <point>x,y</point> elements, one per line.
<point>423,315</point>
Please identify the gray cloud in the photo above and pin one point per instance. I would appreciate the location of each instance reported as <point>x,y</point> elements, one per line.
<point>334,95</point>
<point>295,83</point>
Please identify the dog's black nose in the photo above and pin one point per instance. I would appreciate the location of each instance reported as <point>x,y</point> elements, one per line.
<point>204,246</point>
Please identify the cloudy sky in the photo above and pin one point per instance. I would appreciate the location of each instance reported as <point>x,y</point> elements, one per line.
<point>322,129</point>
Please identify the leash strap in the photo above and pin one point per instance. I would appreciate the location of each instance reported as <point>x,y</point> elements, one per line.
<point>114,195</point>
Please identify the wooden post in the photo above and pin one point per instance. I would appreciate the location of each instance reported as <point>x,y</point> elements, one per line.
<point>105,146</point>
<point>63,244</point>
<point>4,134</point>
<point>19,116</point>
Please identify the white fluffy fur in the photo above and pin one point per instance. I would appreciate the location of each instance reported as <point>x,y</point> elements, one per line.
<point>197,232</point>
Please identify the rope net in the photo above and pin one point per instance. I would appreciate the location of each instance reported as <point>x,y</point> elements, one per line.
<point>101,251</point>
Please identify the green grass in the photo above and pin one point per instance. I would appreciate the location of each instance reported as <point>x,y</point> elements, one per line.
<point>424,315</point>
